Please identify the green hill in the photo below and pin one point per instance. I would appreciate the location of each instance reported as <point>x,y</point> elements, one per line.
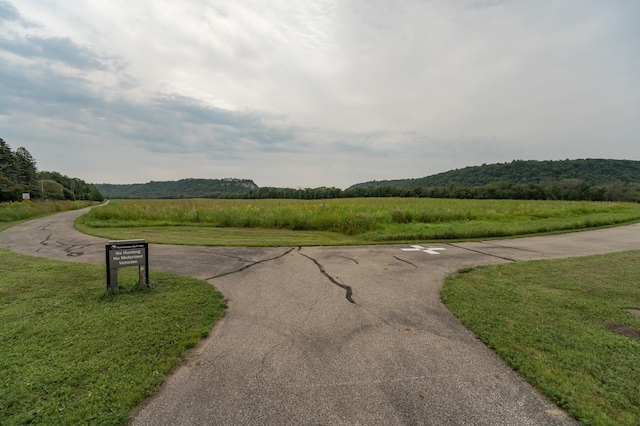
<point>184,188</point>
<point>589,179</point>
<point>590,171</point>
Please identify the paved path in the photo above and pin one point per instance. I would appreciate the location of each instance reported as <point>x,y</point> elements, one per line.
<point>335,335</point>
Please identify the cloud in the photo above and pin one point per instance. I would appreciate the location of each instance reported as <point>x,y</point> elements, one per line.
<point>60,49</point>
<point>172,124</point>
<point>9,12</point>
<point>327,92</point>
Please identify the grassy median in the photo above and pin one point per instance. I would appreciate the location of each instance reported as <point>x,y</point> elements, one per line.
<point>552,321</point>
<point>344,221</point>
<point>71,354</point>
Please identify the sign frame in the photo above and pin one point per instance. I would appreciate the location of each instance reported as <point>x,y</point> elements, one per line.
<point>126,253</point>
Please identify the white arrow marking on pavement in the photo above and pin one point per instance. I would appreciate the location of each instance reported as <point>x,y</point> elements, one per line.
<point>430,250</point>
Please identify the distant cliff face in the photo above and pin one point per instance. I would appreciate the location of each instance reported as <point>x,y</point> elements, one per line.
<point>184,188</point>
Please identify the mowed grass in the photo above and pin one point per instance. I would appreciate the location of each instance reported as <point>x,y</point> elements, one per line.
<point>547,319</point>
<point>344,221</point>
<point>71,354</point>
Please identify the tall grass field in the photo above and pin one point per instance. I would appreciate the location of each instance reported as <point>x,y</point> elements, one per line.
<point>347,221</point>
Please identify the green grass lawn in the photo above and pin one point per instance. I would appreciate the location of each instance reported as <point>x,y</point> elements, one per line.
<point>71,354</point>
<point>547,319</point>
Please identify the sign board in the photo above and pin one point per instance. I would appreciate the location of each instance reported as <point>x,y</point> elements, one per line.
<point>124,253</point>
<point>26,196</point>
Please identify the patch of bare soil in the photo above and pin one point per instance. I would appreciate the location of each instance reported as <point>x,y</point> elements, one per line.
<point>625,330</point>
<point>635,312</point>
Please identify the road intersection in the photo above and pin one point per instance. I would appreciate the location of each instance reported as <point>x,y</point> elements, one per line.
<point>335,335</point>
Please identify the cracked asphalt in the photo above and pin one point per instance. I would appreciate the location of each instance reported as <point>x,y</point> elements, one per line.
<point>335,335</point>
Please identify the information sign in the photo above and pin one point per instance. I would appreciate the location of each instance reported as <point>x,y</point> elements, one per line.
<point>124,253</point>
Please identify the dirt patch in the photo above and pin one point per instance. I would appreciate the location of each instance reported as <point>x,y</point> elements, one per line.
<point>623,329</point>
<point>635,312</point>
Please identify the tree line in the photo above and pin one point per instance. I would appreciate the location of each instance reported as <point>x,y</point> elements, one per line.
<point>567,189</point>
<point>548,189</point>
<point>594,180</point>
<point>19,175</point>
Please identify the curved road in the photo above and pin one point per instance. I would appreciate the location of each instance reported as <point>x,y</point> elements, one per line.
<point>335,335</point>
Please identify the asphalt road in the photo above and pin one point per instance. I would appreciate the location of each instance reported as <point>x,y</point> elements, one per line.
<point>335,335</point>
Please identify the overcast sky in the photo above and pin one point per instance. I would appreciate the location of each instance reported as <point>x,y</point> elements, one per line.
<point>297,93</point>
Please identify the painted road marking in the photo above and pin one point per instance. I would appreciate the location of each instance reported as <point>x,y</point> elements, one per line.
<point>430,250</point>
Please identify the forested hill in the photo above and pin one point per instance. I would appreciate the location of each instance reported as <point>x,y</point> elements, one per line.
<point>184,188</point>
<point>590,171</point>
<point>595,180</point>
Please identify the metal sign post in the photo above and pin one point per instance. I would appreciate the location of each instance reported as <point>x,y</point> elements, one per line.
<point>124,253</point>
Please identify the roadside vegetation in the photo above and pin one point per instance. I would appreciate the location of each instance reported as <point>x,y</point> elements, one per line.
<point>550,320</point>
<point>19,175</point>
<point>344,221</point>
<point>71,354</point>
<point>11,213</point>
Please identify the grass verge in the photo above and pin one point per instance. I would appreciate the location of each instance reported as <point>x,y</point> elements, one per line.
<point>71,354</point>
<point>547,319</point>
<point>209,236</point>
<point>13,213</point>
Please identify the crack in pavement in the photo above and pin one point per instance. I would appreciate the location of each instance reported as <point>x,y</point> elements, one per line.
<point>348,258</point>
<point>45,241</point>
<point>250,265</point>
<point>72,250</point>
<point>481,252</point>
<point>406,261</point>
<point>511,248</point>
<point>310,309</point>
<point>347,288</point>
<point>230,257</point>
<point>264,359</point>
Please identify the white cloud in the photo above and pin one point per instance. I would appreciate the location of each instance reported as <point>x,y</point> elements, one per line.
<point>315,93</point>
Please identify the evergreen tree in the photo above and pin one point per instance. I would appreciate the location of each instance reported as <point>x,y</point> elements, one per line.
<point>7,160</point>
<point>25,170</point>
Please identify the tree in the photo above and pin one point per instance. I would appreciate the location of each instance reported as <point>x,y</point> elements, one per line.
<point>25,170</point>
<point>7,160</point>
<point>9,191</point>
<point>94,194</point>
